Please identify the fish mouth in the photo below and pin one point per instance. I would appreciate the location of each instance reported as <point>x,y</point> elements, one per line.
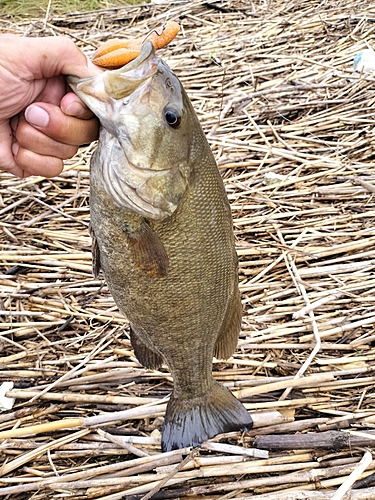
<point>116,84</point>
<point>132,175</point>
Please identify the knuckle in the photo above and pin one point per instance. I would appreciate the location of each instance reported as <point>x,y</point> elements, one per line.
<point>68,152</point>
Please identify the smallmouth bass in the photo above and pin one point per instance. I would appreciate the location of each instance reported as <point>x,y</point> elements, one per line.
<point>163,236</point>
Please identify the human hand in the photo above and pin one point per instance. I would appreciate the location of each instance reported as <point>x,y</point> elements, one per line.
<point>41,122</point>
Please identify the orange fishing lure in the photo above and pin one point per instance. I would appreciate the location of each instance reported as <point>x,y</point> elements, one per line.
<point>116,53</point>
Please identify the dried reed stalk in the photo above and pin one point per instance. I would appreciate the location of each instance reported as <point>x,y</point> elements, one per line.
<point>292,130</point>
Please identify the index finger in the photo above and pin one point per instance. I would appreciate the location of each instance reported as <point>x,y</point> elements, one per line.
<point>71,105</point>
<point>66,129</point>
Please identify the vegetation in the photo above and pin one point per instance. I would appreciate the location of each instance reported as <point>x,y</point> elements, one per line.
<point>39,7</point>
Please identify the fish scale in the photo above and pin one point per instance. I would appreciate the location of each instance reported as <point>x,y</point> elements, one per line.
<point>173,275</point>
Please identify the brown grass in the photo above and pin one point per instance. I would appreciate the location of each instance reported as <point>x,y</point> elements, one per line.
<point>293,133</point>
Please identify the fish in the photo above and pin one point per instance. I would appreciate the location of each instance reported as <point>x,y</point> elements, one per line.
<point>162,234</point>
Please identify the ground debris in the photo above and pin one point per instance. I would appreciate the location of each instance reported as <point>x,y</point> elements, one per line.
<point>292,129</point>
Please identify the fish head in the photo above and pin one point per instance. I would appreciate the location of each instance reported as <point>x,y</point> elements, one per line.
<point>145,156</point>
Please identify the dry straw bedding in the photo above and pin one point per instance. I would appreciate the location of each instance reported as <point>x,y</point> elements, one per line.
<point>273,87</point>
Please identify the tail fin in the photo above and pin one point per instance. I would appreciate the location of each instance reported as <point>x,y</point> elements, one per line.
<point>190,422</point>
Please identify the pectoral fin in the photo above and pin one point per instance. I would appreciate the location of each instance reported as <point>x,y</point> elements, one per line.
<point>147,251</point>
<point>95,254</point>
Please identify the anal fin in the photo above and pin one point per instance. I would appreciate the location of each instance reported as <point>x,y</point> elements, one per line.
<point>147,251</point>
<point>145,355</point>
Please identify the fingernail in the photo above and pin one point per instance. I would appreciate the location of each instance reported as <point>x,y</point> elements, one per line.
<point>95,70</point>
<point>75,108</point>
<point>15,148</point>
<point>37,116</point>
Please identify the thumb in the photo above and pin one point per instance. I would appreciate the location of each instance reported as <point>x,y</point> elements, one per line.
<point>50,56</point>
<point>68,59</point>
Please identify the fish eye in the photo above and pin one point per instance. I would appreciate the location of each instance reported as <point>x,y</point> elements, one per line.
<point>172,117</point>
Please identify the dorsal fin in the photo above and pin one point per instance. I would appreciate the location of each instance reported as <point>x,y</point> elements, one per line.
<point>227,339</point>
<point>95,254</point>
